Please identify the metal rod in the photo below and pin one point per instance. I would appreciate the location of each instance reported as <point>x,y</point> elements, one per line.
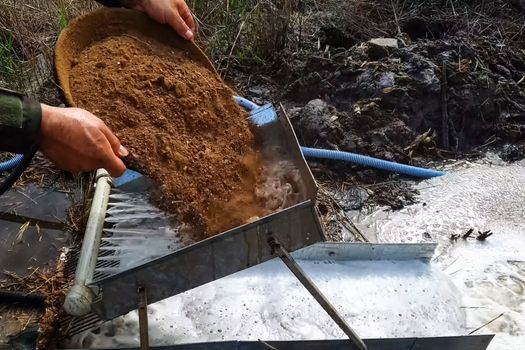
<point>315,292</point>
<point>35,299</point>
<point>143,319</point>
<point>79,298</point>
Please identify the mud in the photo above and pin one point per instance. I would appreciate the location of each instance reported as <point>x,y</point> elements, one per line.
<point>392,102</point>
<point>380,107</point>
<point>343,92</point>
<point>181,125</point>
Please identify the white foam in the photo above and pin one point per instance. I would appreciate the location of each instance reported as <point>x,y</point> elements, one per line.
<point>378,298</point>
<point>490,275</point>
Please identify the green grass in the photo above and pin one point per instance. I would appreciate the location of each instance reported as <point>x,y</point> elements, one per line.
<point>62,16</point>
<point>233,32</point>
<point>9,64</point>
<point>245,32</point>
<point>247,56</point>
<point>28,32</point>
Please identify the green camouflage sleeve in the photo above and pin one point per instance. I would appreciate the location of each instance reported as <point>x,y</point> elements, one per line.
<point>20,120</point>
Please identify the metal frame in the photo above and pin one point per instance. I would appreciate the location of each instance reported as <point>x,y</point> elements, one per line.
<point>366,251</point>
<point>467,342</point>
<point>207,260</point>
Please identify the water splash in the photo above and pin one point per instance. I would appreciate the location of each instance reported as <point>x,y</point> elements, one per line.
<point>378,298</point>
<point>490,275</point>
<point>137,232</point>
<point>281,187</point>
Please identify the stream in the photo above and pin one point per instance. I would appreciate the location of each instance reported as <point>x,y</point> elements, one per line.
<point>490,275</point>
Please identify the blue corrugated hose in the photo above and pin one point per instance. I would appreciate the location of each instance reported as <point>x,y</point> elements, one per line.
<point>11,163</point>
<point>355,158</point>
<point>246,104</point>
<point>371,162</point>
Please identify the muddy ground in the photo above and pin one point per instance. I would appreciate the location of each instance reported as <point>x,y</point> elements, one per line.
<point>443,87</point>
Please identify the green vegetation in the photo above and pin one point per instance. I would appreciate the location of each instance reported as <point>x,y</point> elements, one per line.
<point>28,31</point>
<point>234,33</point>
<point>247,56</point>
<point>62,16</point>
<point>9,63</point>
<point>246,33</point>
<point>7,56</point>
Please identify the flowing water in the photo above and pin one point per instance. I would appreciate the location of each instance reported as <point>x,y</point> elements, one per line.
<point>379,299</point>
<point>468,284</point>
<point>490,275</point>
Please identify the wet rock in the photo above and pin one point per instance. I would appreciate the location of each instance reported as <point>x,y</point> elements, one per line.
<point>512,153</point>
<point>352,199</point>
<point>318,122</point>
<point>422,70</point>
<point>386,80</point>
<point>373,83</point>
<point>381,47</point>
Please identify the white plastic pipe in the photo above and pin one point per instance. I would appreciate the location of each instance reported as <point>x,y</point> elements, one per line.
<point>80,296</point>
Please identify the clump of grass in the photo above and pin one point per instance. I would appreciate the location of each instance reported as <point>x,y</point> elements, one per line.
<point>247,56</point>
<point>28,31</point>
<point>62,15</point>
<point>9,65</point>
<point>246,33</point>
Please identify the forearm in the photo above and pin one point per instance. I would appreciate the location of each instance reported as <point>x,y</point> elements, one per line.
<point>20,122</point>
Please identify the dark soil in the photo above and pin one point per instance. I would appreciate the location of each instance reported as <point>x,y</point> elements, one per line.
<point>344,92</point>
<point>181,125</point>
<point>380,107</point>
<point>452,88</point>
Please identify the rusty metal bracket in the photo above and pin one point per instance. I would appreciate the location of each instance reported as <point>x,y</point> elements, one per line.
<point>143,318</point>
<point>290,262</point>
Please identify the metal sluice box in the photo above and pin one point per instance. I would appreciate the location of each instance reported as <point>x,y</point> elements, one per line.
<point>117,273</point>
<point>130,245</point>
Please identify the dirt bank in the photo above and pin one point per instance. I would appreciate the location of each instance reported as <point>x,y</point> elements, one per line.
<point>453,73</point>
<point>385,97</point>
<point>181,125</point>
<point>448,84</point>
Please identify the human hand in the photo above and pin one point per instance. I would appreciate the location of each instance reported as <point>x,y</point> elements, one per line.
<point>75,140</point>
<point>172,12</point>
